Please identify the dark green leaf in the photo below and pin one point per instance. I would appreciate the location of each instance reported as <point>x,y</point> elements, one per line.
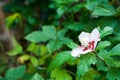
<point>61,10</point>
<point>113,74</point>
<point>108,21</point>
<point>76,26</point>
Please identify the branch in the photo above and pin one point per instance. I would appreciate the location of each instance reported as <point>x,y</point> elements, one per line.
<point>101,59</point>
<point>5,36</point>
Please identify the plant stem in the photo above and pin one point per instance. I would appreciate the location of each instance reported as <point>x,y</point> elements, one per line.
<point>101,59</point>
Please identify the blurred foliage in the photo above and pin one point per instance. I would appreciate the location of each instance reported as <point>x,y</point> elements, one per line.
<point>46,31</point>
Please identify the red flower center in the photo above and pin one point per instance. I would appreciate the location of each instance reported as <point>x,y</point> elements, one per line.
<point>90,46</point>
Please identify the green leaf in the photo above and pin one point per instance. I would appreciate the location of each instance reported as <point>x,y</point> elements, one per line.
<point>37,77</point>
<point>60,74</point>
<point>103,54</point>
<point>106,31</point>
<point>61,10</point>
<point>110,62</point>
<point>115,50</point>
<point>10,19</point>
<point>104,10</point>
<point>77,7</point>
<point>31,20</point>
<point>85,64</point>
<point>69,43</point>
<point>60,59</point>
<point>24,58</point>
<point>103,44</point>
<point>54,45</point>
<point>91,75</point>
<point>108,21</point>
<point>17,48</point>
<point>36,36</point>
<point>15,73</point>
<point>61,33</point>
<point>34,61</point>
<point>31,47</point>
<point>113,74</point>
<point>76,26</point>
<point>91,4</point>
<point>107,55</point>
<point>101,66</point>
<point>49,31</point>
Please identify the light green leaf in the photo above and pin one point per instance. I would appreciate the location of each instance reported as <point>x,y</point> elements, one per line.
<point>60,59</point>
<point>15,73</point>
<point>24,58</point>
<point>10,19</point>
<point>113,74</point>
<point>106,31</point>
<point>103,10</point>
<point>60,74</point>
<point>36,36</point>
<point>49,31</point>
<point>31,47</point>
<point>37,77</point>
<point>34,61</point>
<point>76,26</point>
<point>85,64</point>
<point>103,44</point>
<point>17,48</point>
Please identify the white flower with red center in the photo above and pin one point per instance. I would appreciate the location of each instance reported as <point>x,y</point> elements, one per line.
<point>88,43</point>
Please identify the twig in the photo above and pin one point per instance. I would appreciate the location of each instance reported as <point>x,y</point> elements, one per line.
<point>101,59</point>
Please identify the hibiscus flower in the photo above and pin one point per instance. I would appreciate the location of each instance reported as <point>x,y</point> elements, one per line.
<point>88,43</point>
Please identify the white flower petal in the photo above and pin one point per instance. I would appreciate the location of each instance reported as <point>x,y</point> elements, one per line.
<point>83,34</point>
<point>84,38</point>
<point>79,50</point>
<point>95,35</point>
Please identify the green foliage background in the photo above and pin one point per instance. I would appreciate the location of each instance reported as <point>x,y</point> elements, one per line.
<point>47,30</point>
